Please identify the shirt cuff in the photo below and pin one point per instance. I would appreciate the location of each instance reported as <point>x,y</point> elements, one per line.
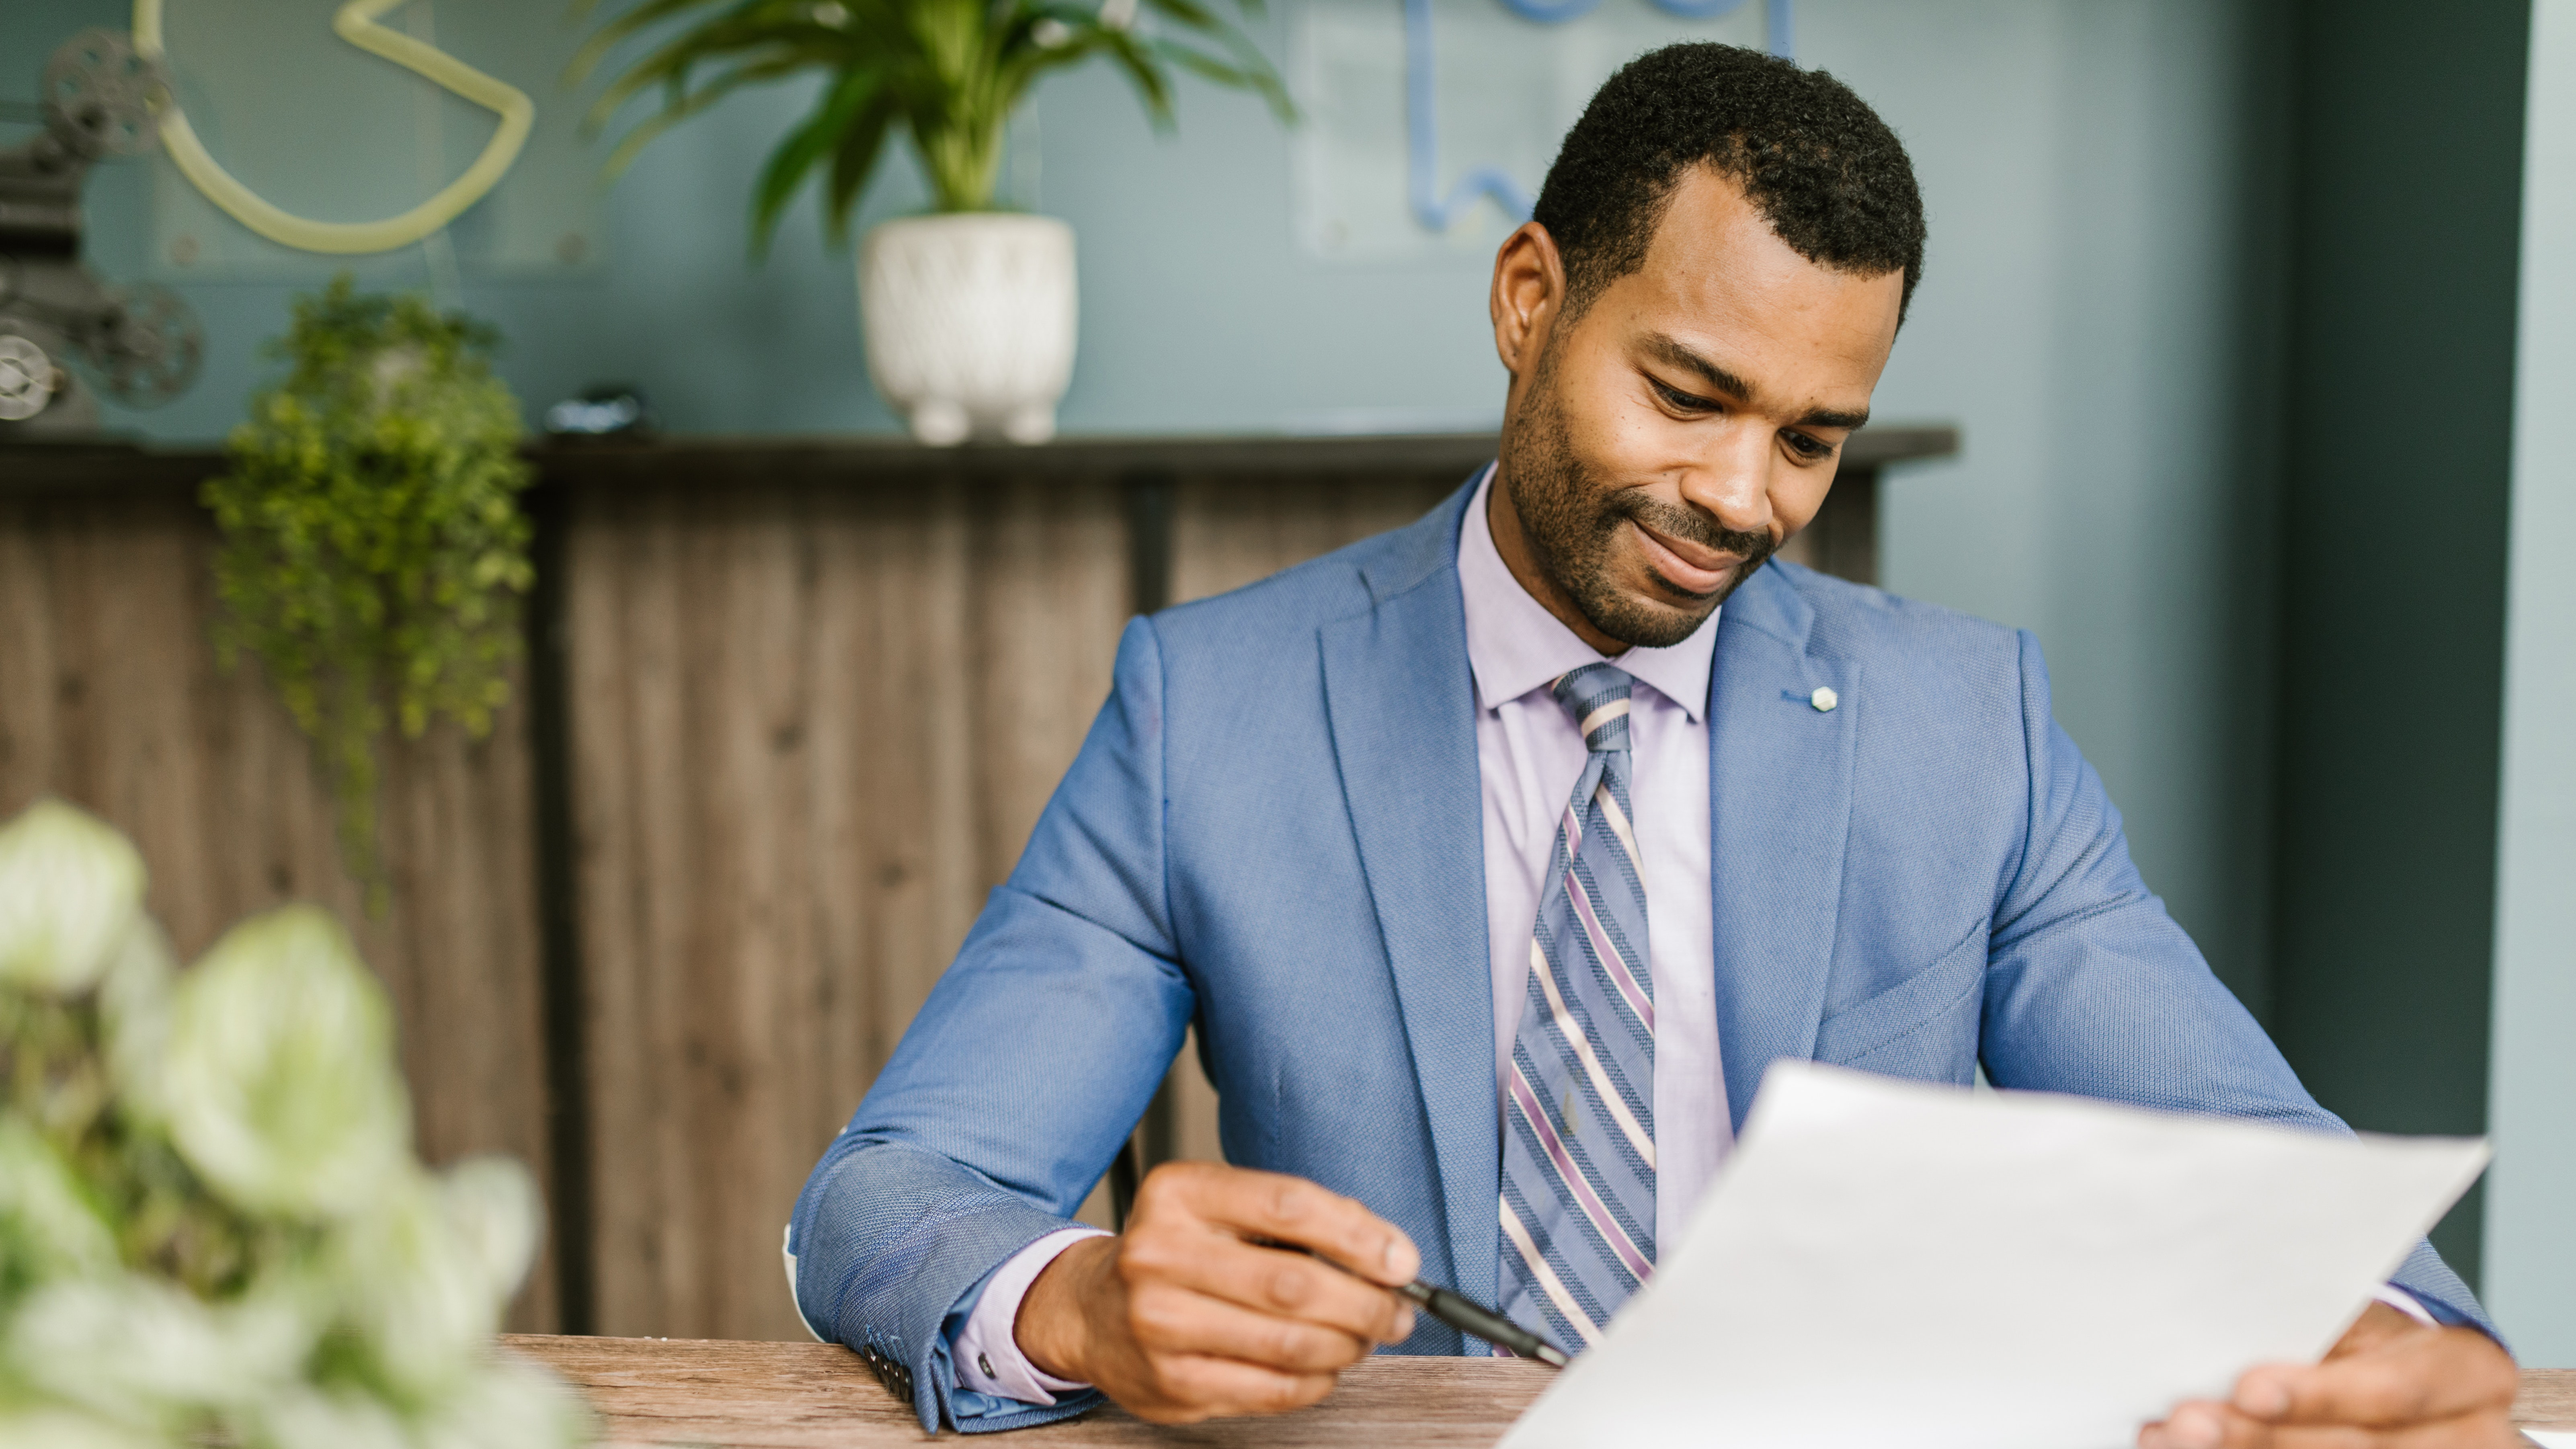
<point>2389,1293</point>
<point>987,1350</point>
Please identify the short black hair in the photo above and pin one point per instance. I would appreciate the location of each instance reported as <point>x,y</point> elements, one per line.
<point>1814,159</point>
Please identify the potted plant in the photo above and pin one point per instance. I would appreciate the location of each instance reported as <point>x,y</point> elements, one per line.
<point>968,311</point>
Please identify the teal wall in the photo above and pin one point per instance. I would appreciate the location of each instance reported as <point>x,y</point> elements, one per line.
<point>2400,427</point>
<point>2099,310</point>
<point>2093,175</point>
<point>2530,1254</point>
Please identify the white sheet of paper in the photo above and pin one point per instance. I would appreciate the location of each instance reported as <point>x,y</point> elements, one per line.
<point>1885,1263</point>
<point>2551,1438</point>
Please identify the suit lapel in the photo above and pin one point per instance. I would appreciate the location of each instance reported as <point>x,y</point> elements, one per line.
<point>1780,784</point>
<point>1402,704</point>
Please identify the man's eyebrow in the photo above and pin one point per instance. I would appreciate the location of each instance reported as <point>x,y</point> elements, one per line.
<point>1673,354</point>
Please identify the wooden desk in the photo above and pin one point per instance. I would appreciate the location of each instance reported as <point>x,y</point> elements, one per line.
<point>810,1395</point>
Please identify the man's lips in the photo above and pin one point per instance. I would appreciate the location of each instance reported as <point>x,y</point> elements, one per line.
<point>1686,566</point>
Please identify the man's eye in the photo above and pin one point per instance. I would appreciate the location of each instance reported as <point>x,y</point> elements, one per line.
<point>1675,398</point>
<point>1807,447</point>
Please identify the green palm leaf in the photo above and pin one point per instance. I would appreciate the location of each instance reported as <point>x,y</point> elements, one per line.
<point>804,146</point>
<point>948,73</point>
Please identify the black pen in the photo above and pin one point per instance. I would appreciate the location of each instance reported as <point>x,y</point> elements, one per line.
<point>1468,1316</point>
<point>1463,1314</point>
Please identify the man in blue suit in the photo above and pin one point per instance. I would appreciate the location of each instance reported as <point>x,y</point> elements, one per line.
<point>1496,857</point>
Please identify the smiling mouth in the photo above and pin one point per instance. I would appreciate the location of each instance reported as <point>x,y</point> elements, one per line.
<point>1687,567</point>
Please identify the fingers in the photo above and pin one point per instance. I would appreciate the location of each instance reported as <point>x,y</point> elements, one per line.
<point>1293,1210</point>
<point>2408,1378</point>
<point>2377,1324</point>
<point>1194,1318</point>
<point>2218,1426</point>
<point>1176,1320</point>
<point>1265,1281</point>
<point>2427,1388</point>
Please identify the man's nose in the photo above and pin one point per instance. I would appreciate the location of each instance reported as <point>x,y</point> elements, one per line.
<point>1731,479</point>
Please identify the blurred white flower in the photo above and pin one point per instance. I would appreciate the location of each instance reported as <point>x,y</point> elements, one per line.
<point>134,1009</point>
<point>416,1289</point>
<point>510,1404</point>
<point>304,1418</point>
<point>493,1206</point>
<point>1050,32</point>
<point>142,1353</point>
<point>70,886</point>
<point>64,1429</point>
<point>374,1290</point>
<point>277,1077</point>
<point>48,1230</point>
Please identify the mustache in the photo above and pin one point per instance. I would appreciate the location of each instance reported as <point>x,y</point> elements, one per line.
<point>1691,526</point>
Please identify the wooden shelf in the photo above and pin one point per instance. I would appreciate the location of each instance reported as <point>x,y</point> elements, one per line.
<point>86,467</point>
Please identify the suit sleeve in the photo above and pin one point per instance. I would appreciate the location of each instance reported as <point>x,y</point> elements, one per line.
<point>2091,988</point>
<point>1015,1085</point>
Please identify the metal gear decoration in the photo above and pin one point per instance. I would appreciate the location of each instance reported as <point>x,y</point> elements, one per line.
<point>99,95</point>
<point>141,346</point>
<point>26,378</point>
<point>145,345</point>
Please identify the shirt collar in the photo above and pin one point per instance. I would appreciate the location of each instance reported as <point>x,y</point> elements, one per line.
<point>1514,645</point>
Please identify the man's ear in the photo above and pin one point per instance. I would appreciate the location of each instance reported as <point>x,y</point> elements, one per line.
<point>1528,297</point>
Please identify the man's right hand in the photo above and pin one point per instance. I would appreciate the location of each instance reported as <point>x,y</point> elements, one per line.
<point>1183,1318</point>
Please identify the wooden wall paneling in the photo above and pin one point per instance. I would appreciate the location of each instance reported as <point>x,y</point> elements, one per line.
<point>750,717</point>
<point>912,873</point>
<point>1842,539</point>
<point>460,950</point>
<point>30,733</point>
<point>606,670</point>
<point>111,698</point>
<point>625,596</point>
<point>1051,590</point>
<point>813,721</point>
<point>1231,531</point>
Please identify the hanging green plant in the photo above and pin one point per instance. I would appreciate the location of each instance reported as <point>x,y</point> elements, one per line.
<point>373,550</point>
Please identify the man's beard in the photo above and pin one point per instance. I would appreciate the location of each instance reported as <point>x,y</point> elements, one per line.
<point>1569,517</point>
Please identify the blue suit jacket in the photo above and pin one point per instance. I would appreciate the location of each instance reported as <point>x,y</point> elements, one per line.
<point>1274,830</point>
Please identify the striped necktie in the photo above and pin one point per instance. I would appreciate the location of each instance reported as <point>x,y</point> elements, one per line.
<point>1578,1201</point>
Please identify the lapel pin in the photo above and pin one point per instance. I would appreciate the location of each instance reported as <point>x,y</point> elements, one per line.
<point>1824,698</point>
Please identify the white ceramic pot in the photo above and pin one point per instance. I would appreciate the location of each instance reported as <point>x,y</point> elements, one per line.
<point>969,321</point>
